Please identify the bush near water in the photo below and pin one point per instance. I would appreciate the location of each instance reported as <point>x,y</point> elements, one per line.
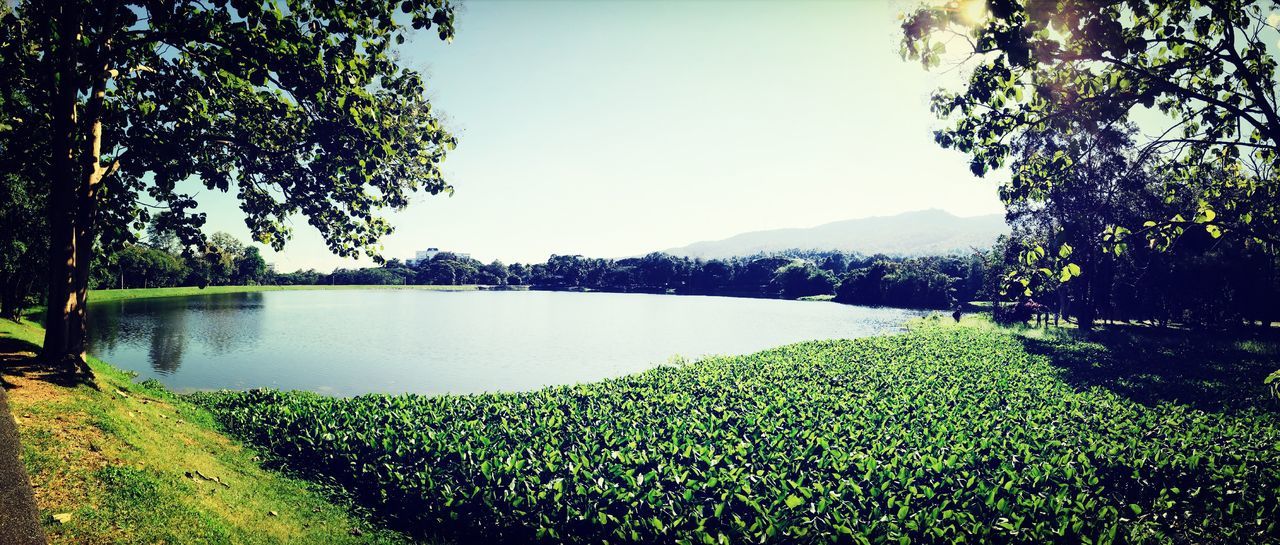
<point>944,435</point>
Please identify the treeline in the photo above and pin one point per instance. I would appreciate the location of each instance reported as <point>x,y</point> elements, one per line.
<point>924,282</point>
<point>157,260</point>
<point>1084,246</point>
<point>161,263</point>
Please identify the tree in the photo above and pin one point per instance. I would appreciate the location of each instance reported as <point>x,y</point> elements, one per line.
<point>757,274</point>
<point>714,275</point>
<point>657,270</point>
<point>222,253</point>
<point>24,145</point>
<point>142,266</point>
<point>496,272</point>
<point>1068,206</point>
<point>251,268</point>
<point>303,109</point>
<point>836,263</point>
<point>25,240</point>
<point>160,238</point>
<point>440,273</point>
<point>1042,67</point>
<point>864,286</point>
<point>801,279</point>
<point>518,274</point>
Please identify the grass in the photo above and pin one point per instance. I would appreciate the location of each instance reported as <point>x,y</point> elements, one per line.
<point>945,434</point>
<point>133,464</point>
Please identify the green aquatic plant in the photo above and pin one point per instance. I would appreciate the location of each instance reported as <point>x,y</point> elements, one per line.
<point>942,435</point>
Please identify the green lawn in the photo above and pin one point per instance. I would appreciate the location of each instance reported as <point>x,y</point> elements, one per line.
<point>945,434</point>
<point>130,463</point>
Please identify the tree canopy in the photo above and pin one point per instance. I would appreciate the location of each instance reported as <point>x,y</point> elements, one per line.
<point>299,108</point>
<point>1204,68</point>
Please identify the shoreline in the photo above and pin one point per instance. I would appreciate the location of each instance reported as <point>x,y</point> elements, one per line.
<point>110,295</point>
<point>122,460</point>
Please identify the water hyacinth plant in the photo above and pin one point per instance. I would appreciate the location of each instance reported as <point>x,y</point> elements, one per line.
<point>940,436</point>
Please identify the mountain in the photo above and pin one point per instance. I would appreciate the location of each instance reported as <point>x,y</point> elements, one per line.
<point>925,232</point>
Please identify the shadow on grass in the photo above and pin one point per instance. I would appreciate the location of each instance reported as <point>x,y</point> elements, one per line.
<point>1212,371</point>
<point>18,358</point>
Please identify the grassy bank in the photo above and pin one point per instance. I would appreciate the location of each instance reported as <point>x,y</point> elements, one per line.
<point>946,433</point>
<point>129,463</point>
<point>97,296</point>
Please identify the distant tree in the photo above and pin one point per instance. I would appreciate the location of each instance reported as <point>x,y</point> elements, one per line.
<point>802,279</point>
<point>714,276</point>
<point>223,252</point>
<point>299,277</point>
<point>620,278</point>
<point>757,274</point>
<point>374,276</point>
<point>658,270</point>
<point>518,274</point>
<point>564,270</point>
<point>251,268</point>
<point>302,109</point>
<point>865,286</point>
<point>163,239</point>
<point>438,272</point>
<point>496,273</point>
<point>142,266</point>
<point>836,264</point>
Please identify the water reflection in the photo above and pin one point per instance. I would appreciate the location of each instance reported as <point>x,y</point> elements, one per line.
<point>216,325</point>
<point>168,334</point>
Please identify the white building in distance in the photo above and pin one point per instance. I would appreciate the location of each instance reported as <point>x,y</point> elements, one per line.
<point>429,254</point>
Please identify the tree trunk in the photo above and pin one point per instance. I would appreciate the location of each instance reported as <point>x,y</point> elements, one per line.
<point>1085,312</point>
<point>12,293</point>
<point>77,173</point>
<point>61,302</point>
<point>87,193</point>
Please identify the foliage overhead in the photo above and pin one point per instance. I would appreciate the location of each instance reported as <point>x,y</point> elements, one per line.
<point>298,108</point>
<point>1050,66</point>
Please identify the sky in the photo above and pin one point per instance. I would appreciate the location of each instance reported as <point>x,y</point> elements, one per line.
<point>614,128</point>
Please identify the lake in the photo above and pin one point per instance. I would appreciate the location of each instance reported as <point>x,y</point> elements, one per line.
<point>349,342</point>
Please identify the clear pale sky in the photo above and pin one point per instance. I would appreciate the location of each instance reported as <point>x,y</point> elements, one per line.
<point>616,128</point>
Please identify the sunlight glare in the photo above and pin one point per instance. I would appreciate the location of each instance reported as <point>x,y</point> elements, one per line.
<point>972,12</point>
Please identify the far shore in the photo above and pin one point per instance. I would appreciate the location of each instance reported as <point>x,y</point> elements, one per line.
<point>100,296</point>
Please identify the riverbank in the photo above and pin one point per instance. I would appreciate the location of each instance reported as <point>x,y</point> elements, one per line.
<point>122,462</point>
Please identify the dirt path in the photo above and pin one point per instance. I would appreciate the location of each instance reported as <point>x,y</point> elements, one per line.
<point>19,523</point>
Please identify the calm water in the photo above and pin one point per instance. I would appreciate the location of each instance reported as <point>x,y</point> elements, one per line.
<point>360,341</point>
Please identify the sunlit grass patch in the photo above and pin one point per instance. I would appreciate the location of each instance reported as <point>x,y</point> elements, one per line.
<point>131,463</point>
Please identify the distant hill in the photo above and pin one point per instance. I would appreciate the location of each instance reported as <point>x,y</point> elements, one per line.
<point>926,232</point>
